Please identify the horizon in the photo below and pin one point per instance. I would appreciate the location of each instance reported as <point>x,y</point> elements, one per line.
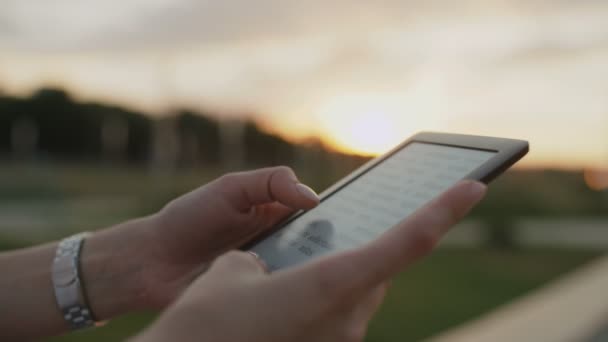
<point>555,164</point>
<point>362,81</point>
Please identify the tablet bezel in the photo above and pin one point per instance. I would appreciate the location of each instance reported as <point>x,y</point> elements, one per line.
<point>507,152</point>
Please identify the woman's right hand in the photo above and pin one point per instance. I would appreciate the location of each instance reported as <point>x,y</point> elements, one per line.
<point>329,299</point>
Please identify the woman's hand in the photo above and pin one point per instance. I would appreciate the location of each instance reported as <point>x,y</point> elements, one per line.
<point>225,214</point>
<point>330,299</point>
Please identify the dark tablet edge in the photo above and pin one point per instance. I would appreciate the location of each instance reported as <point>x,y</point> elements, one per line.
<point>508,152</point>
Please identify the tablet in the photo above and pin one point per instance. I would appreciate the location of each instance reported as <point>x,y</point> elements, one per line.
<point>383,192</point>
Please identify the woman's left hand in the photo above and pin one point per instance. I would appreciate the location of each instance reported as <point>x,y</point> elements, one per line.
<point>193,229</point>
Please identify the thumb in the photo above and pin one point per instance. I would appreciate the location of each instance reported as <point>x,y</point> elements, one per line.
<point>233,268</point>
<point>238,264</point>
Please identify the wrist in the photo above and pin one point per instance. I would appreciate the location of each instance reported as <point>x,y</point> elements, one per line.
<point>112,264</point>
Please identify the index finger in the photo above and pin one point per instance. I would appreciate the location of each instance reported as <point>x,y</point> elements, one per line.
<point>274,184</point>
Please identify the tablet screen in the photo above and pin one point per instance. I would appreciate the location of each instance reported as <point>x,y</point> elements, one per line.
<point>371,203</point>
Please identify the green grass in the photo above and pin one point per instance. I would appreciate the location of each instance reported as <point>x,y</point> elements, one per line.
<point>24,182</point>
<point>448,288</point>
<point>453,286</point>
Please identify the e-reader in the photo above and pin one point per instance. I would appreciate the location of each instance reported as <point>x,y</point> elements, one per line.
<point>383,192</point>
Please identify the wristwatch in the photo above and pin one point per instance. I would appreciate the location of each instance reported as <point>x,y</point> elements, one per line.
<point>67,283</point>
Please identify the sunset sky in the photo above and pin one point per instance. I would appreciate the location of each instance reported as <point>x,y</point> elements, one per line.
<point>362,75</point>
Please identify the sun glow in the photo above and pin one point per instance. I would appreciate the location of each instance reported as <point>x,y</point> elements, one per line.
<point>369,124</point>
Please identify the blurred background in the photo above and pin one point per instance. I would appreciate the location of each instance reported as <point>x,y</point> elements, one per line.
<point>108,109</point>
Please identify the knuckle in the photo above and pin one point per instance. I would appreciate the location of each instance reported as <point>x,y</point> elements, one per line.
<point>284,169</point>
<point>227,187</point>
<point>423,240</point>
<point>452,215</point>
<point>167,210</point>
<point>449,212</point>
<point>227,180</point>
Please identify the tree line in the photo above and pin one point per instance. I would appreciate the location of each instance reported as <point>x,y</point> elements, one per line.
<point>50,124</point>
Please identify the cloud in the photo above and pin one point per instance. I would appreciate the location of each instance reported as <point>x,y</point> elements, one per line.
<point>111,24</point>
<point>119,25</point>
<point>64,25</point>
<point>192,22</point>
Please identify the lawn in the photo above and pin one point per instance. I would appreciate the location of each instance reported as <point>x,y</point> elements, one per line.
<point>455,285</point>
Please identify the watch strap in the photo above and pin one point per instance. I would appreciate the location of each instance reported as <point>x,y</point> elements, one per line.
<point>67,283</point>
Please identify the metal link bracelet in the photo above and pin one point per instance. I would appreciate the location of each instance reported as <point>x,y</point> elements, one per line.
<point>69,292</point>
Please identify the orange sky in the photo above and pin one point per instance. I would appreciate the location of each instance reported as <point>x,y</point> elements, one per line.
<point>362,75</point>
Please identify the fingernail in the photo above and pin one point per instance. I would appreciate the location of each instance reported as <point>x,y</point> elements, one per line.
<point>259,260</point>
<point>478,190</point>
<point>254,254</point>
<point>307,192</point>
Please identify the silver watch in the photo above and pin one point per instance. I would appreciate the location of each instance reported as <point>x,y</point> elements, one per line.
<point>67,283</point>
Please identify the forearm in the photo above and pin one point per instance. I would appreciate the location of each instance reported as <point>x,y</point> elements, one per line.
<point>110,267</point>
<point>27,302</point>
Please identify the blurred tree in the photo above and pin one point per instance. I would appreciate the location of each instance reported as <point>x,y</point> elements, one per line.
<point>9,111</point>
<point>114,138</point>
<point>24,138</point>
<point>165,147</point>
<point>266,149</point>
<point>71,130</point>
<point>65,132</point>
<point>136,125</point>
<point>232,144</point>
<point>200,138</point>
